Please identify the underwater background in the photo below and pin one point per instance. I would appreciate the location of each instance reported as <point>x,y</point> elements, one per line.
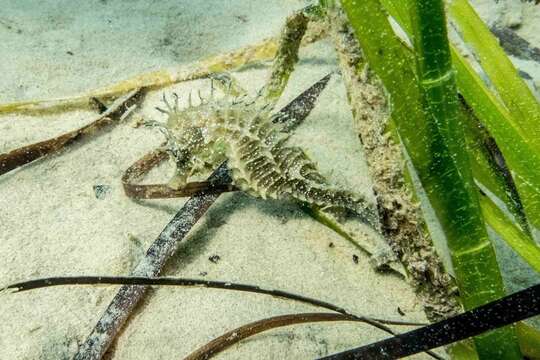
<point>67,214</point>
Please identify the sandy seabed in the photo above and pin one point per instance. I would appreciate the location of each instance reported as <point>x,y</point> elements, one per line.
<point>54,223</point>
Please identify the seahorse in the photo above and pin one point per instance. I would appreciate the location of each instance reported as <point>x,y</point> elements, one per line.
<point>241,130</point>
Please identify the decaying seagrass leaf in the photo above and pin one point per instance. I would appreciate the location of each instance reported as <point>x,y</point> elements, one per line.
<point>26,154</point>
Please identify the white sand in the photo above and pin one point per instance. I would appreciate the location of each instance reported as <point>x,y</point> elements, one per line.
<point>523,17</point>
<point>53,224</point>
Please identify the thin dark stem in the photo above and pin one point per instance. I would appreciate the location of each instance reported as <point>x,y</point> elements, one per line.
<point>143,282</point>
<point>494,315</point>
<point>225,285</point>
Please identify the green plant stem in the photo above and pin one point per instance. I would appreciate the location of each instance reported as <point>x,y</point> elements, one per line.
<point>512,235</point>
<point>513,91</point>
<point>440,161</point>
<point>529,338</point>
<point>491,170</point>
<point>518,152</point>
<point>512,140</point>
<point>449,182</point>
<point>486,107</point>
<point>497,120</point>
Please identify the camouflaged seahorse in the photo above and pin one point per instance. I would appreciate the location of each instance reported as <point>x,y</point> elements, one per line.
<point>242,132</point>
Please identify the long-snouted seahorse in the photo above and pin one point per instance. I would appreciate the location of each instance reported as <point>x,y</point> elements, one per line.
<point>242,132</point>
